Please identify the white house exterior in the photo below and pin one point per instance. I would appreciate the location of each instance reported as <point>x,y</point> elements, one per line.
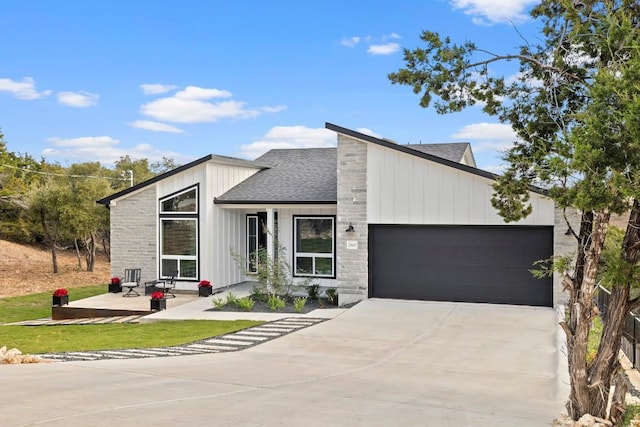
<point>335,210</point>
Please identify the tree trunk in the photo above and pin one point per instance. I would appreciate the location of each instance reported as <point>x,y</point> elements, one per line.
<point>604,376</point>
<point>583,399</point>
<point>54,257</point>
<point>50,240</point>
<point>106,246</point>
<point>630,253</point>
<point>90,252</point>
<point>75,244</point>
<point>605,370</point>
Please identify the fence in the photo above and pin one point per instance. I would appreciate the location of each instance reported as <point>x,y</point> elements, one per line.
<point>631,333</point>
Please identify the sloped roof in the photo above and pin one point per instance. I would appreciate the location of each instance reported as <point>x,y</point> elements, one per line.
<point>409,149</point>
<point>451,151</point>
<point>301,175</point>
<point>233,161</point>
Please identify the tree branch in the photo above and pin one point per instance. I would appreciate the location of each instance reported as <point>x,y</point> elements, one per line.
<point>525,58</point>
<point>564,215</point>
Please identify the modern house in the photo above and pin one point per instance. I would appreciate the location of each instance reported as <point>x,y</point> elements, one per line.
<point>370,217</point>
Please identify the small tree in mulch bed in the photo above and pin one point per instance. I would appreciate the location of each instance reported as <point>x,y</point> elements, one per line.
<point>274,275</point>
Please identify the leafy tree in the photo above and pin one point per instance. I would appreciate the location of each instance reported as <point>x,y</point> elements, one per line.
<point>18,174</point>
<point>139,168</point>
<point>48,206</point>
<point>574,105</point>
<point>164,165</point>
<point>87,220</point>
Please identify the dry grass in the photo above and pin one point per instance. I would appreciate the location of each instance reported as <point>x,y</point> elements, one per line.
<point>27,269</point>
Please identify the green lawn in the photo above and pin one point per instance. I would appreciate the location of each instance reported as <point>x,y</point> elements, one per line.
<point>37,306</point>
<point>45,339</point>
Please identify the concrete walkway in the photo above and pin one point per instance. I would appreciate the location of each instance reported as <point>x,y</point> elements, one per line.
<point>380,363</point>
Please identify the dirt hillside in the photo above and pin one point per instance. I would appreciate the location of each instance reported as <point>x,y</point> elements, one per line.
<point>28,269</point>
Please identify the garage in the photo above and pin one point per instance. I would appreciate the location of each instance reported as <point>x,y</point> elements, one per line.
<point>462,263</point>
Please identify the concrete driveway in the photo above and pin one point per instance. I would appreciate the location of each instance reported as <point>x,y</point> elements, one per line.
<point>381,363</point>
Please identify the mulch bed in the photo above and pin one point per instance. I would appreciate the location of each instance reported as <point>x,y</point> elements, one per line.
<point>263,307</point>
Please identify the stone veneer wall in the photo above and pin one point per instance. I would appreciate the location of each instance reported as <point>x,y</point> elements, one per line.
<point>352,264</point>
<point>134,235</point>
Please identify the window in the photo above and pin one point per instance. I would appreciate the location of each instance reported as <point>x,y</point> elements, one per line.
<point>314,246</point>
<point>252,243</point>
<point>184,202</point>
<point>179,234</point>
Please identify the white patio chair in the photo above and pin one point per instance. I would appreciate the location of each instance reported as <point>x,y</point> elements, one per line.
<point>131,281</point>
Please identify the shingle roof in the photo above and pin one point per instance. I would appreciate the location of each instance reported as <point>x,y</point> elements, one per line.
<point>304,175</point>
<point>451,151</point>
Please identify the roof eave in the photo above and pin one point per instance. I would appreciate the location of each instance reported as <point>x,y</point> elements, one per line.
<point>224,160</point>
<point>273,202</point>
<point>407,150</point>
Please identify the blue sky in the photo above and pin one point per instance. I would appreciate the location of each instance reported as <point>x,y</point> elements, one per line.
<point>95,80</point>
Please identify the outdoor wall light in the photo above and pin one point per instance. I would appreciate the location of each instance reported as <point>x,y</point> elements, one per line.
<point>350,228</point>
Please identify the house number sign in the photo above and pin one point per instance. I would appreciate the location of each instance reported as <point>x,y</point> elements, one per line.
<point>352,244</point>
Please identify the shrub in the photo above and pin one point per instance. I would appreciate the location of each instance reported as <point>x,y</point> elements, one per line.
<point>273,274</point>
<point>276,302</point>
<point>245,303</point>
<point>332,295</point>
<point>298,304</point>
<point>258,293</point>
<point>313,291</point>
<point>219,303</point>
<point>231,299</point>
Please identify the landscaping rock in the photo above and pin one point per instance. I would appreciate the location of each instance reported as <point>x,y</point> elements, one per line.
<point>586,420</point>
<point>15,356</point>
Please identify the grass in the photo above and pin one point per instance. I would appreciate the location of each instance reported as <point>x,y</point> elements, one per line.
<point>37,306</point>
<point>48,339</point>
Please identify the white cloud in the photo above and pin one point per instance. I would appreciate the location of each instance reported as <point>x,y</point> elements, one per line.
<point>84,141</point>
<point>383,49</point>
<point>156,88</point>
<point>104,149</point>
<point>289,137</point>
<point>369,132</point>
<point>489,12</point>
<point>489,136</point>
<point>194,92</point>
<point>350,42</point>
<point>26,89</point>
<point>275,109</point>
<point>155,126</point>
<point>193,105</point>
<point>79,99</point>
<point>195,111</point>
<point>376,45</point>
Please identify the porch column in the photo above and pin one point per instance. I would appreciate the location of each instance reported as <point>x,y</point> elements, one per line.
<point>270,233</point>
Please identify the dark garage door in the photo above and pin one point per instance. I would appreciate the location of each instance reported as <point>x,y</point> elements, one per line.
<point>460,263</point>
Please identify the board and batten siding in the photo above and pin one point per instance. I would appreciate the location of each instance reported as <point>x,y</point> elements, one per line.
<point>228,234</point>
<point>221,230</point>
<point>405,189</point>
<point>213,180</point>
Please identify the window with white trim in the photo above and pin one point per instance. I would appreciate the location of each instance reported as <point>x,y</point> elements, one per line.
<point>314,246</point>
<point>179,234</point>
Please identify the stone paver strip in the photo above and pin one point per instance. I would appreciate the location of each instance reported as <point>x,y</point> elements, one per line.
<point>230,342</point>
<point>225,341</point>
